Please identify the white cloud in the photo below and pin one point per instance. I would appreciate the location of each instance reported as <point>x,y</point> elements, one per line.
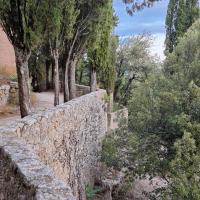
<point>158,45</point>
<point>157,23</point>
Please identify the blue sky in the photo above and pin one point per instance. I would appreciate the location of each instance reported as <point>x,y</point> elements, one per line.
<point>151,20</point>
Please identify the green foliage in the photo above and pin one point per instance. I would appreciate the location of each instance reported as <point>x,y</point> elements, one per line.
<point>181,15</point>
<point>59,18</point>
<point>184,169</point>
<point>137,5</point>
<point>25,31</point>
<point>37,68</point>
<point>110,152</point>
<point>91,191</point>
<point>119,148</point>
<point>101,52</point>
<point>133,64</point>
<point>83,73</point>
<point>107,74</point>
<point>164,119</point>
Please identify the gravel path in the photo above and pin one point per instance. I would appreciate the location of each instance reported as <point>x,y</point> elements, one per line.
<point>43,100</point>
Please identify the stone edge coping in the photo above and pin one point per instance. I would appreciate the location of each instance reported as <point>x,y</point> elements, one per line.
<point>19,124</point>
<point>34,172</point>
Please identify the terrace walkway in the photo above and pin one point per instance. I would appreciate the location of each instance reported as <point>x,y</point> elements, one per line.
<point>41,101</point>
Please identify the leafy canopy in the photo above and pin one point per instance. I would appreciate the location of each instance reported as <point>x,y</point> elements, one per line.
<point>21,20</point>
<point>163,138</point>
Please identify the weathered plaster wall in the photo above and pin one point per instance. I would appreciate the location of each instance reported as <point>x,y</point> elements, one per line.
<point>68,138</point>
<point>23,176</point>
<point>7,55</point>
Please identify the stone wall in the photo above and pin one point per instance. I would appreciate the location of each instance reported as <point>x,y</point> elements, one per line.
<point>8,93</point>
<point>13,93</point>
<point>4,94</point>
<point>82,90</point>
<point>23,176</point>
<point>68,138</point>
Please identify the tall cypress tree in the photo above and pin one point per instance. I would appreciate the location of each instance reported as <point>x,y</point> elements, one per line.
<point>181,15</point>
<point>99,46</point>
<point>22,23</point>
<point>180,20</point>
<point>59,19</point>
<point>85,29</point>
<point>192,12</point>
<point>170,28</point>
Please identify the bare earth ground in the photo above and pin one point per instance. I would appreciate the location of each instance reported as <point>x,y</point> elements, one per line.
<point>43,100</point>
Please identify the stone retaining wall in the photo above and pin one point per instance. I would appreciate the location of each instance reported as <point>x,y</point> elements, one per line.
<point>13,93</point>
<point>4,94</point>
<point>82,90</point>
<point>68,138</point>
<point>23,176</point>
<point>8,93</point>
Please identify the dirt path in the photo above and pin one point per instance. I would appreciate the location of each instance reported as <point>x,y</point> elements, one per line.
<point>42,101</point>
<point>45,100</point>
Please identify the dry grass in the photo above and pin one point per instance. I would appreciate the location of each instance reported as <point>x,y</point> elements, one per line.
<point>15,101</point>
<point>8,110</point>
<point>8,71</point>
<point>33,98</point>
<point>13,109</point>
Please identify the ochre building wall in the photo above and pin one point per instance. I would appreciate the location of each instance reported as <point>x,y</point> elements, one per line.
<point>7,55</point>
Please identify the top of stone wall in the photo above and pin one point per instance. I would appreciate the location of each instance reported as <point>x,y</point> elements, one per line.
<point>34,172</point>
<point>49,112</point>
<point>4,82</point>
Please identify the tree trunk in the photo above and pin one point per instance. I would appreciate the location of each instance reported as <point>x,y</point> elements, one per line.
<point>72,79</point>
<point>68,71</point>
<point>66,83</point>
<point>127,91</point>
<point>56,78</point>
<point>48,64</point>
<point>93,80</point>
<point>81,77</point>
<point>110,102</point>
<point>23,82</point>
<point>116,90</point>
